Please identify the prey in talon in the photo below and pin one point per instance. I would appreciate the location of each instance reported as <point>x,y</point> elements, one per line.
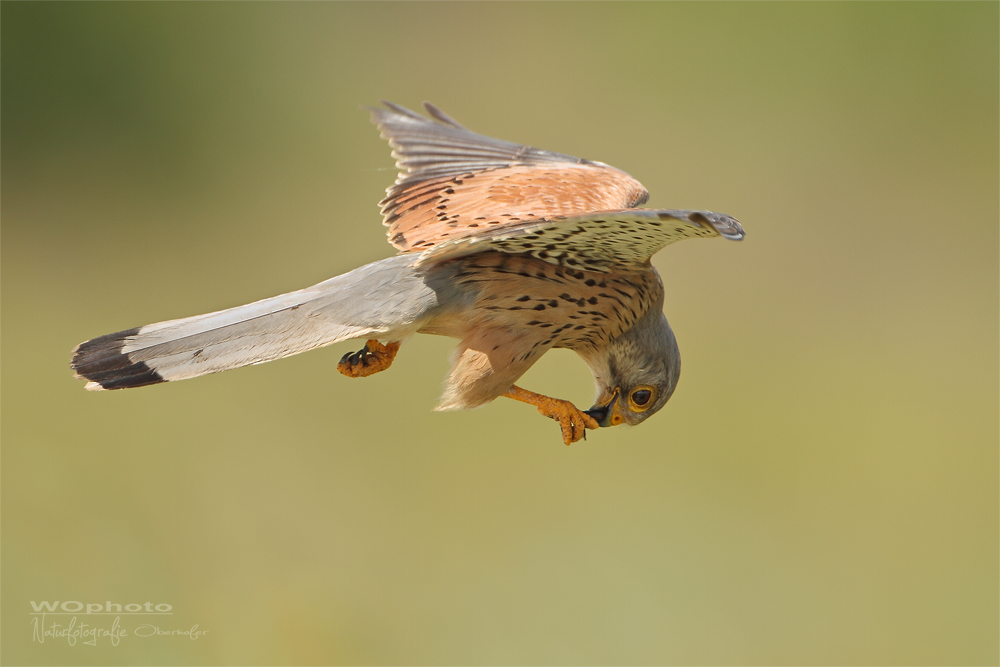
<point>510,249</point>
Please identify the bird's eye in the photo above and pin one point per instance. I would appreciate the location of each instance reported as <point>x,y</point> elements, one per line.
<point>641,398</point>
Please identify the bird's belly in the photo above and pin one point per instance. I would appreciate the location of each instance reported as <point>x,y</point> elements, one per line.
<point>558,306</point>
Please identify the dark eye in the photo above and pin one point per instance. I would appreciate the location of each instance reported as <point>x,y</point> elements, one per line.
<point>641,398</point>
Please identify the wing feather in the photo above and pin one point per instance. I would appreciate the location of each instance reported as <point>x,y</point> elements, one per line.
<point>453,182</point>
<point>593,242</point>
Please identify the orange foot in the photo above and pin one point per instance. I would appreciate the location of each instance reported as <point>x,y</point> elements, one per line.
<point>370,359</point>
<point>573,421</point>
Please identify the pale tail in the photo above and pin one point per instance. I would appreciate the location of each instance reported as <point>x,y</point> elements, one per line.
<point>384,299</point>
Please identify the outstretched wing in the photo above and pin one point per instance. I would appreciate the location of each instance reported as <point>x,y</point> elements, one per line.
<point>593,242</point>
<point>454,183</point>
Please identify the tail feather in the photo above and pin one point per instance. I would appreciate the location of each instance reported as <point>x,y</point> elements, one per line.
<point>387,298</point>
<point>100,360</point>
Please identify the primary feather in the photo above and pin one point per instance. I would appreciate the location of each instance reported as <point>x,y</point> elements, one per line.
<point>454,183</point>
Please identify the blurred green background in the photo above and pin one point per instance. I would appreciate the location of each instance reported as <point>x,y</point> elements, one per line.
<point>822,488</point>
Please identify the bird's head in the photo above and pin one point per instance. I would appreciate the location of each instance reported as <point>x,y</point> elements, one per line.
<point>636,373</point>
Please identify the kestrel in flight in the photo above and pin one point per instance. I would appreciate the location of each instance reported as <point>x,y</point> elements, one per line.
<point>510,249</point>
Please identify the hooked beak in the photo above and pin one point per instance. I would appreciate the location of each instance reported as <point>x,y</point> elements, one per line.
<point>606,413</point>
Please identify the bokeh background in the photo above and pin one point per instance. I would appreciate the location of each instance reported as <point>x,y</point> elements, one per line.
<point>822,488</point>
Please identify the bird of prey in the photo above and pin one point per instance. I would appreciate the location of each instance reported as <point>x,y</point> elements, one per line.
<point>510,249</point>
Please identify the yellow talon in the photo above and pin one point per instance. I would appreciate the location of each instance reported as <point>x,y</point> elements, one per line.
<point>573,421</point>
<point>370,359</point>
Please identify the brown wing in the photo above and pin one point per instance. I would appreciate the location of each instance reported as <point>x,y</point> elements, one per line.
<point>454,183</point>
<point>593,241</point>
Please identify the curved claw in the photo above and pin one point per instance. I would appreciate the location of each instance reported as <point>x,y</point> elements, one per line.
<point>370,359</point>
<point>573,421</point>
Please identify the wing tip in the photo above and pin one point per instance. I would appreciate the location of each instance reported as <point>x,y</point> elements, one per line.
<point>380,115</point>
<point>400,110</point>
<point>730,228</point>
<point>441,116</point>
<point>726,226</point>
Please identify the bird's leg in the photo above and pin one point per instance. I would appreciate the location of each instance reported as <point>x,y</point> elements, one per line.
<point>573,421</point>
<point>370,359</point>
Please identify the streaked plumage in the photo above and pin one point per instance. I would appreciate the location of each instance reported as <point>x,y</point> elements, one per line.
<point>510,249</point>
